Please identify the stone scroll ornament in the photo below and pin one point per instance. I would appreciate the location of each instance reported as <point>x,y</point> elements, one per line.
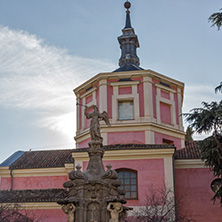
<point>69,209</point>
<point>95,117</point>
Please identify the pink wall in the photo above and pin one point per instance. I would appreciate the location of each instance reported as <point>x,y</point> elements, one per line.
<point>194,184</point>
<point>165,113</point>
<point>126,137</point>
<point>89,99</point>
<point>150,173</point>
<point>84,143</point>
<point>41,182</point>
<point>125,90</point>
<point>5,183</point>
<point>159,139</point>
<point>165,95</point>
<point>47,215</point>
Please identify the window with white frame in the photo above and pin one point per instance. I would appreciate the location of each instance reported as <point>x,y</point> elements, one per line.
<point>125,110</point>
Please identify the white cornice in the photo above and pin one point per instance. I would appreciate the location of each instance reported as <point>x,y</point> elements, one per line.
<point>4,172</point>
<point>57,171</point>
<point>133,125</point>
<point>126,83</point>
<point>36,205</point>
<point>189,163</point>
<point>165,88</point>
<point>128,154</point>
<point>129,74</point>
<point>88,92</point>
<point>69,167</point>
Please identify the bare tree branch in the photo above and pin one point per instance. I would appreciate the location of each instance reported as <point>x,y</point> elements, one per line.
<point>15,213</point>
<point>160,206</point>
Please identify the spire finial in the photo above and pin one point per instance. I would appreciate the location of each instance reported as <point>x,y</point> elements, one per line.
<point>128,41</point>
<point>127,5</point>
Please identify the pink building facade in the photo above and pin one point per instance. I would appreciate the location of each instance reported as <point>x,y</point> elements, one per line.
<point>38,186</point>
<point>143,106</point>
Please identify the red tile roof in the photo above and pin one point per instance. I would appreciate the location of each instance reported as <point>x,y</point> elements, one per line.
<point>43,159</point>
<point>22,196</point>
<point>129,147</point>
<point>58,158</point>
<point>190,151</point>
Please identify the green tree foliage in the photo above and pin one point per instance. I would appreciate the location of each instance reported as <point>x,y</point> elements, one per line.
<point>189,134</point>
<point>218,88</point>
<point>208,119</point>
<point>216,19</point>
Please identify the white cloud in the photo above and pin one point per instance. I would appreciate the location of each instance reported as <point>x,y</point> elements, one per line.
<point>38,77</point>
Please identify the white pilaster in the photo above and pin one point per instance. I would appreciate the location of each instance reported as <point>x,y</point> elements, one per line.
<point>103,95</point>
<point>78,117</point>
<point>158,97</point>
<point>168,173</point>
<point>179,96</point>
<point>94,98</point>
<point>136,102</point>
<point>83,115</point>
<point>114,103</point>
<point>173,110</point>
<point>149,137</point>
<point>169,181</point>
<point>104,136</point>
<point>148,97</point>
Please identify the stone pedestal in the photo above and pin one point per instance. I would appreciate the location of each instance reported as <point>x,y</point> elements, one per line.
<point>91,191</point>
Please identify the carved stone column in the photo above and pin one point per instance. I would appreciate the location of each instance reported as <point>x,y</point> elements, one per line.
<point>91,191</point>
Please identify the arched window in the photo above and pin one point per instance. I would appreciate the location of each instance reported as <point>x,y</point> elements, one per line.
<point>128,179</point>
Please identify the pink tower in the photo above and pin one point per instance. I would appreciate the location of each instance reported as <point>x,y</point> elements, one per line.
<point>144,106</point>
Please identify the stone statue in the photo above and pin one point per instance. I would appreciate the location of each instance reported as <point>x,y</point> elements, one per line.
<point>95,117</point>
<point>123,215</point>
<point>93,212</point>
<point>115,209</point>
<point>69,209</point>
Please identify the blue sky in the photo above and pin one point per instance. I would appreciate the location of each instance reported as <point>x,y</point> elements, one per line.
<point>49,47</point>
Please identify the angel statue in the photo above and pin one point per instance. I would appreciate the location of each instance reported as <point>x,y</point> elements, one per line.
<point>95,117</point>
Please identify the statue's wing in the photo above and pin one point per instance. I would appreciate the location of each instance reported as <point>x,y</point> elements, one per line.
<point>105,117</point>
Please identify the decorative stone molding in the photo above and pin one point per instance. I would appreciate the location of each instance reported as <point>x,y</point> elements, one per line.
<point>189,163</point>
<point>38,205</point>
<point>57,171</point>
<point>127,83</point>
<point>129,155</point>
